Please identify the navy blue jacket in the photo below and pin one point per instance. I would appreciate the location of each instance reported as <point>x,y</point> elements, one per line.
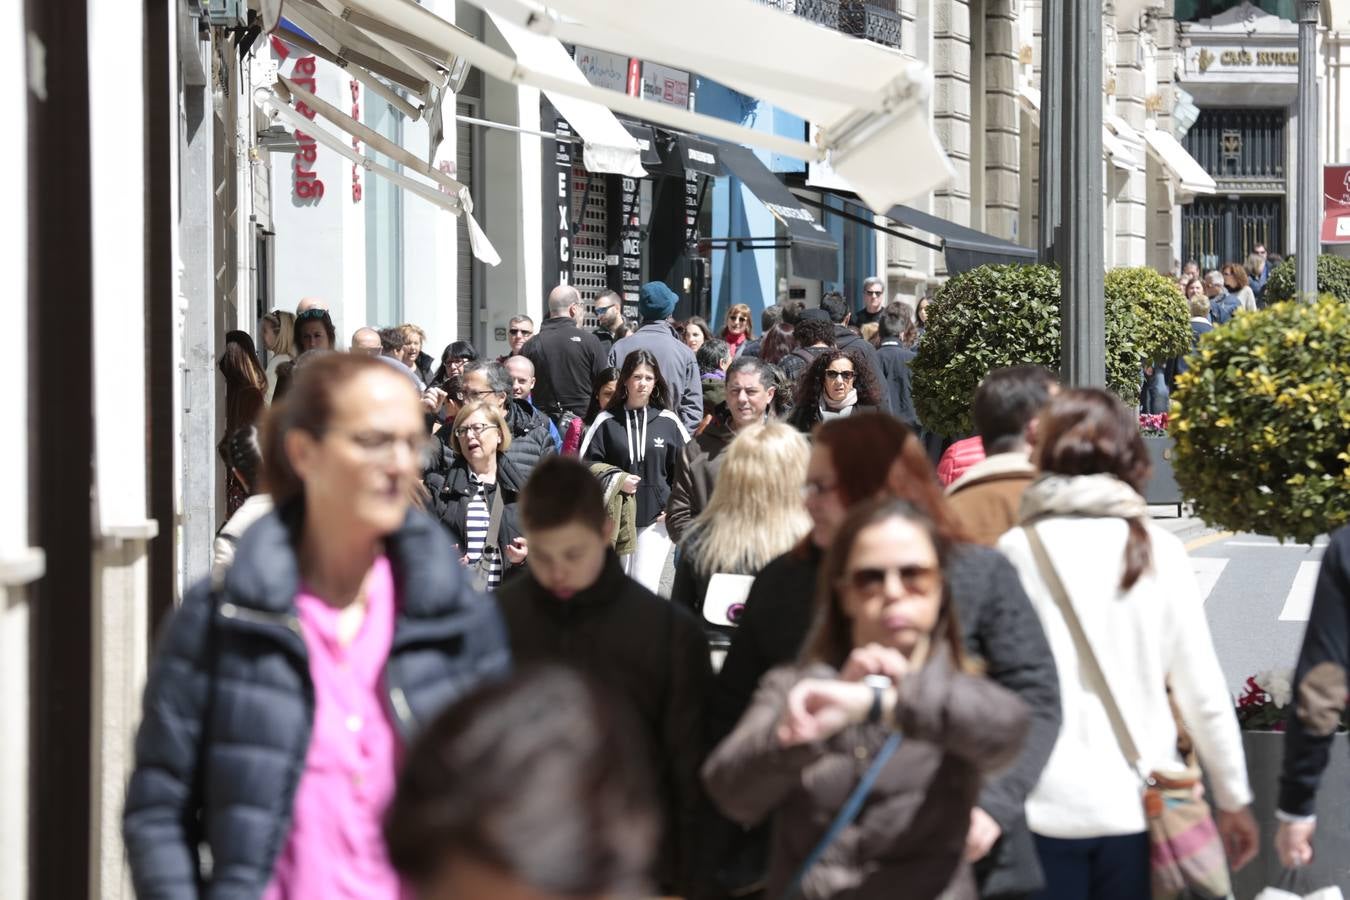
<point>229,705</point>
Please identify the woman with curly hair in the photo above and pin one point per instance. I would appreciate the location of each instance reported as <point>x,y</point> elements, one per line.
<point>839,383</point>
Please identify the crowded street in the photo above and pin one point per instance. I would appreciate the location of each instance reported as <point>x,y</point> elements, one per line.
<point>769,449</point>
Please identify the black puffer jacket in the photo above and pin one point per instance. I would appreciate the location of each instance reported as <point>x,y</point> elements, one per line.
<point>652,656</point>
<point>451,490</point>
<point>229,703</point>
<point>1000,627</point>
<point>531,440</point>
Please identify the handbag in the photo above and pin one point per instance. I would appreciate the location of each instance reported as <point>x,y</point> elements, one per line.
<point>481,570</point>
<point>852,806</point>
<point>1185,849</point>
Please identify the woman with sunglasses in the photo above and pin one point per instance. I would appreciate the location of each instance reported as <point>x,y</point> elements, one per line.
<point>885,656</point>
<point>736,331</point>
<point>478,475</point>
<point>280,700</point>
<point>838,384</point>
<point>855,460</point>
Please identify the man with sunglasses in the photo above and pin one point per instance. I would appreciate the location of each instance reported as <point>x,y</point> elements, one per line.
<point>874,302</point>
<point>566,357</point>
<point>608,317</point>
<point>519,330</point>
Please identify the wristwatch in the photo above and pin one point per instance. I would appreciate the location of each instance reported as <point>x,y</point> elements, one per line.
<point>878,684</point>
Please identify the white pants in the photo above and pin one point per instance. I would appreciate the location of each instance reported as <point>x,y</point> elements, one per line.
<point>648,561</point>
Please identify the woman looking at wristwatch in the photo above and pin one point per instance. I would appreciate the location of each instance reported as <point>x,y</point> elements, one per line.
<point>883,612</point>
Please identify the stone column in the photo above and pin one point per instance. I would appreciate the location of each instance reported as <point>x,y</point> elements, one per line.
<point>951,103</point>
<point>1003,171</point>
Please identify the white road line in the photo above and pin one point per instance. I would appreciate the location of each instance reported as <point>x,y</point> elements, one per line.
<point>1298,604</point>
<point>1207,571</point>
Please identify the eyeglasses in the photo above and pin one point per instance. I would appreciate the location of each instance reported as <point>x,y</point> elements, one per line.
<point>478,395</point>
<point>476,429</point>
<point>517,331</point>
<point>839,375</point>
<point>380,445</point>
<point>914,579</point>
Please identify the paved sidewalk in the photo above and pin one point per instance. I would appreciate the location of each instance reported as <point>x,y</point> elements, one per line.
<point>1185,526</point>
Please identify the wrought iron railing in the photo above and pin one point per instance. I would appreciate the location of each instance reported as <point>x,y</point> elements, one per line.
<point>871,20</point>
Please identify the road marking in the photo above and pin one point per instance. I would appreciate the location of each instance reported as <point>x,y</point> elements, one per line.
<point>1207,572</point>
<point>1318,545</point>
<point>1298,604</point>
<point>1207,540</point>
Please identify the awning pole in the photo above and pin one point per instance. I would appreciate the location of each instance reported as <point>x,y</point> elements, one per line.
<point>502,126</point>
<point>845,214</point>
<point>354,69</point>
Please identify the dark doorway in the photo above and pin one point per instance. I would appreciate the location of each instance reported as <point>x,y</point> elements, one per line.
<point>1218,230</point>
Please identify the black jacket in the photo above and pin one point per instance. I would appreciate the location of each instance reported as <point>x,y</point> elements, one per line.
<point>649,654</point>
<point>566,360</point>
<point>806,418</point>
<point>696,469</point>
<point>646,443</point>
<point>846,338</point>
<point>798,361</point>
<point>1319,681</point>
<point>1000,627</point>
<point>451,490</point>
<point>895,358</point>
<point>229,703</point>
<point>531,439</point>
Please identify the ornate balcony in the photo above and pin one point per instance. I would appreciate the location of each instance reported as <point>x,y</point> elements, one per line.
<point>868,19</point>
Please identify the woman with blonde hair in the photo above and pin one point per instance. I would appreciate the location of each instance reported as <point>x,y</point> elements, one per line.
<point>755,514</point>
<point>413,356</point>
<point>736,331</point>
<point>278,337</point>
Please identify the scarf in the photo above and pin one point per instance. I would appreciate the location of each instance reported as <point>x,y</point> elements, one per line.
<point>1099,496</point>
<point>828,410</point>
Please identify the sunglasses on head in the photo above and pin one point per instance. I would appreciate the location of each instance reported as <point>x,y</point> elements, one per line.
<point>312,314</point>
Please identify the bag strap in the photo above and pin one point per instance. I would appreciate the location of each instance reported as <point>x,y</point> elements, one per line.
<point>847,815</point>
<point>1086,657</point>
<point>483,566</point>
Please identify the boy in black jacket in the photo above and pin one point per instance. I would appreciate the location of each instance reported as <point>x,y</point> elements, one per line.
<point>576,606</point>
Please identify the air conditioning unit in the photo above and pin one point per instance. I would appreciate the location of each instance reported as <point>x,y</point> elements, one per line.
<point>225,13</point>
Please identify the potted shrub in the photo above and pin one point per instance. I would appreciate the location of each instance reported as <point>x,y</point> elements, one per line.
<point>1262,422</point>
<point>1333,277</point>
<point>995,316</point>
<point>1162,483</point>
<point>1162,323</point>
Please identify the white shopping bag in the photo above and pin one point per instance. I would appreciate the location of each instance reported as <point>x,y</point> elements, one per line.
<point>725,600</point>
<point>1327,893</point>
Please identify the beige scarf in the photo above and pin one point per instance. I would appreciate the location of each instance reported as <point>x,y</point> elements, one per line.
<point>1100,496</point>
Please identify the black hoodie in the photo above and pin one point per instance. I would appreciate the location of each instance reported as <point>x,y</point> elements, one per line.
<point>644,442</point>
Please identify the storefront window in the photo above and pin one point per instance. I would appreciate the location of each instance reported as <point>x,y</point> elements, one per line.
<point>384,216</point>
<point>1195,10</point>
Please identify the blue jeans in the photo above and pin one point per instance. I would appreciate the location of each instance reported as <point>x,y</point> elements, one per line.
<point>1106,868</point>
<point>1155,397</point>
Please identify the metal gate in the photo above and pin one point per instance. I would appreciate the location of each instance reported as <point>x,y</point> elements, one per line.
<point>590,240</point>
<point>1218,230</point>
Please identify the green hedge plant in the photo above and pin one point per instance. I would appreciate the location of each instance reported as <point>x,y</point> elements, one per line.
<point>1163,322</point>
<point>995,316</point>
<point>1333,277</point>
<point>1262,422</point>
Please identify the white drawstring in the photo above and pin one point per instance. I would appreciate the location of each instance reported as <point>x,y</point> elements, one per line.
<point>639,453</point>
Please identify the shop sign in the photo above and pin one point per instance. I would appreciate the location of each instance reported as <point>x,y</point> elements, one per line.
<point>1336,204</point>
<point>355,87</point>
<point>306,186</point>
<point>603,69</point>
<point>557,207</point>
<point>630,236</point>
<point>663,84</point>
<point>1216,62</point>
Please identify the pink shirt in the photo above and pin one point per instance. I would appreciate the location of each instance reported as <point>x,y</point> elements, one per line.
<point>335,849</point>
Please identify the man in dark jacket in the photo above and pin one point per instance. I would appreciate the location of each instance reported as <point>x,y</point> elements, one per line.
<point>814,335</point>
<point>750,390</point>
<point>531,439</point>
<point>566,358</point>
<point>608,316</point>
<point>895,358</point>
<point>679,367</point>
<point>1320,691</point>
<point>575,606</point>
<point>845,338</point>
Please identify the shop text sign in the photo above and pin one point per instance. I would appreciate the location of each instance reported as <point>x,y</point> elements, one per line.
<point>1217,62</point>
<point>1336,204</point>
<point>306,185</point>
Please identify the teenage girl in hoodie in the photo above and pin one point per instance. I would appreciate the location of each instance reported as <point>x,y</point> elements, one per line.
<point>639,434</point>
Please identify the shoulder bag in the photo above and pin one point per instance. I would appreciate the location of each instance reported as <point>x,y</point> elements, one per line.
<point>481,570</point>
<point>1186,855</point>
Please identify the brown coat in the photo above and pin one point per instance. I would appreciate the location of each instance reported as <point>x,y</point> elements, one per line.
<point>987,497</point>
<point>909,839</point>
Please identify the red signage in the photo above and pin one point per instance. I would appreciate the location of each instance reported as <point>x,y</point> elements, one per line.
<point>1336,204</point>
<point>305,182</point>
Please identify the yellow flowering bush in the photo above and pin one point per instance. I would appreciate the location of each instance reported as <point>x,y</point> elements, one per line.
<point>1262,422</point>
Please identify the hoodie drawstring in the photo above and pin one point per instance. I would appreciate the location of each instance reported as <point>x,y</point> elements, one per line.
<point>636,454</point>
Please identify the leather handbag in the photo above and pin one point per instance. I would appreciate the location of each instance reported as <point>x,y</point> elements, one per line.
<point>1186,855</point>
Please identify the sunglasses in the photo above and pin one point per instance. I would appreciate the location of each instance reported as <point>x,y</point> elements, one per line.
<point>837,375</point>
<point>518,331</point>
<point>875,293</point>
<point>310,314</point>
<point>872,580</point>
<point>738,318</point>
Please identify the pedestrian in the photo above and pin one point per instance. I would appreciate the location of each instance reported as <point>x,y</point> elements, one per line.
<point>1259,264</point>
<point>526,788</point>
<point>845,338</point>
<point>696,333</point>
<point>874,302</point>
<point>638,433</point>
<point>576,606</point>
<point>566,358</point>
<point>455,356</point>
<point>921,318</point>
<point>245,400</point>
<point>713,358</point>
<point>602,389</point>
<point>608,317</point>
<point>314,330</point>
<point>838,384</point>
<point>813,335</point>
<point>769,319</point>
<point>895,357</point>
<point>1222,304</point>
<point>855,460</point>
<point>958,458</point>
<point>475,491</point>
<point>755,515</point>
<point>1319,685</point>
<point>366,339</point>
<point>414,357</point>
<point>521,372</point>
<point>886,660</point>
<point>278,337</point>
<point>679,366</point>
<point>987,498</point>
<point>775,345</point>
<point>1200,326</point>
<point>736,329</point>
<point>278,704</point>
<point>751,394</point>
<point>531,439</point>
<point>1128,586</point>
<point>1235,282</point>
<point>244,458</point>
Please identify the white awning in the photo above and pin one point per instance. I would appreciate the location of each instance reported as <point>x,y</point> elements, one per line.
<point>1189,177</point>
<point>1115,144</point>
<point>606,145</point>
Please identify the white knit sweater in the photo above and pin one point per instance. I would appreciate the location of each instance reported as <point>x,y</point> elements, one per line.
<point>1153,635</point>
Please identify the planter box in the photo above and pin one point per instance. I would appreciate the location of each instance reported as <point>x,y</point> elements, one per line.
<point>1162,484</point>
<point>1331,844</point>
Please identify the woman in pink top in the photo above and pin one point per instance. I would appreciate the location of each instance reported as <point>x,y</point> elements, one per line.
<point>282,697</point>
